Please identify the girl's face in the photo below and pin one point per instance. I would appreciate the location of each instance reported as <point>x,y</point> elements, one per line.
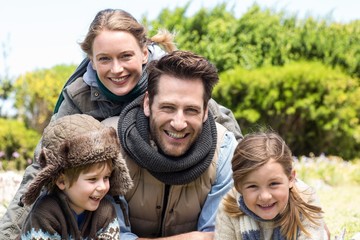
<point>118,59</point>
<point>266,190</point>
<point>88,190</point>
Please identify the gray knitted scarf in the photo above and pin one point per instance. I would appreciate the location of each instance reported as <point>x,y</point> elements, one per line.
<point>133,128</point>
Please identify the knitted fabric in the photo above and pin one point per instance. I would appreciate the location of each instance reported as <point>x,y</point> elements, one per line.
<point>133,129</point>
<point>52,218</point>
<point>77,140</point>
<point>248,224</point>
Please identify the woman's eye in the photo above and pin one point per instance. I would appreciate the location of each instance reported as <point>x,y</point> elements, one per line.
<point>102,59</point>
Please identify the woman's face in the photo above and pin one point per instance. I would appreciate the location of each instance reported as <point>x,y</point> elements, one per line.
<point>118,59</point>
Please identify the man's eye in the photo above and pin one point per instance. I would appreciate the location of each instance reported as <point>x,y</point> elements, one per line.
<point>167,108</point>
<point>192,111</point>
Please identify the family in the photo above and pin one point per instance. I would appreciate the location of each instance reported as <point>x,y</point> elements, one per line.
<point>138,149</point>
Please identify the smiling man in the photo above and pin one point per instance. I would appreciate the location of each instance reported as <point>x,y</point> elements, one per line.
<point>178,157</point>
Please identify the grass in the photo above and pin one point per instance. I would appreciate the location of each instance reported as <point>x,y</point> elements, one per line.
<point>338,188</point>
<point>341,209</point>
<point>337,183</point>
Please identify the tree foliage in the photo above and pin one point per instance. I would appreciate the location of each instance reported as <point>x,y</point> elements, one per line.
<point>17,142</point>
<point>261,37</point>
<point>37,93</point>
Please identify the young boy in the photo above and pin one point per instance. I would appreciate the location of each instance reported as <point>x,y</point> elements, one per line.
<point>81,163</point>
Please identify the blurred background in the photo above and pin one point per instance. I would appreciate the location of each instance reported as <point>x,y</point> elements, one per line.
<point>292,66</point>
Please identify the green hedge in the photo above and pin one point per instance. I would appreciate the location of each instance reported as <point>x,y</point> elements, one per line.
<point>314,107</point>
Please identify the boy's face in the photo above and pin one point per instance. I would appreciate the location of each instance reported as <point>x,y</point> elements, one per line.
<point>88,190</point>
<point>177,114</point>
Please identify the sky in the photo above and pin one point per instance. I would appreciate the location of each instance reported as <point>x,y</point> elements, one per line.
<point>40,34</point>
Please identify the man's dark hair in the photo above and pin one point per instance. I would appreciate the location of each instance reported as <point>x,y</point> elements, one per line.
<point>183,65</point>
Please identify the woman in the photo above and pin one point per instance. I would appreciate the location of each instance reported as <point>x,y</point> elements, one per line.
<point>119,51</point>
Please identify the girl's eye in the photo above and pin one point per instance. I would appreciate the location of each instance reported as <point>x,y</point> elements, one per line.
<point>251,186</point>
<point>274,183</point>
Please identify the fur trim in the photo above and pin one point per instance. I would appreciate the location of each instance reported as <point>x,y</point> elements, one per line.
<point>70,146</point>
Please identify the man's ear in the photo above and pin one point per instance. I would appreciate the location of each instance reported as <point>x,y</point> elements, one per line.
<point>146,104</point>
<point>206,113</point>
<point>60,182</point>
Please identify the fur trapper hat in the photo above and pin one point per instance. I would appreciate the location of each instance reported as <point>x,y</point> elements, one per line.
<point>76,140</point>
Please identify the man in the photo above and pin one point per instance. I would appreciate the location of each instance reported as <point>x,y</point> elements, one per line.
<point>178,157</point>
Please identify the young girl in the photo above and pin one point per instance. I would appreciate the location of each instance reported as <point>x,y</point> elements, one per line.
<point>267,201</point>
<point>81,163</point>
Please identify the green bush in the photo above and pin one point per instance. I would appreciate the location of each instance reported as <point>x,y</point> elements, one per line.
<point>17,143</point>
<point>314,107</point>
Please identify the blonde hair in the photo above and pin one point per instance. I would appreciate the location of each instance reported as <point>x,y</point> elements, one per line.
<point>120,20</point>
<point>254,151</point>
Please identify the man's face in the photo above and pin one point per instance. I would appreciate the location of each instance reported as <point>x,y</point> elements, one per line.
<point>177,114</point>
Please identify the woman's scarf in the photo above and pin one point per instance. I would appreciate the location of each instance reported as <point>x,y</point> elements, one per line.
<point>249,227</point>
<point>133,129</point>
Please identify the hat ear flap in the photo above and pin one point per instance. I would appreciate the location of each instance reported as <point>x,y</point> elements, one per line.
<point>46,175</point>
<point>120,180</point>
<point>42,158</point>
